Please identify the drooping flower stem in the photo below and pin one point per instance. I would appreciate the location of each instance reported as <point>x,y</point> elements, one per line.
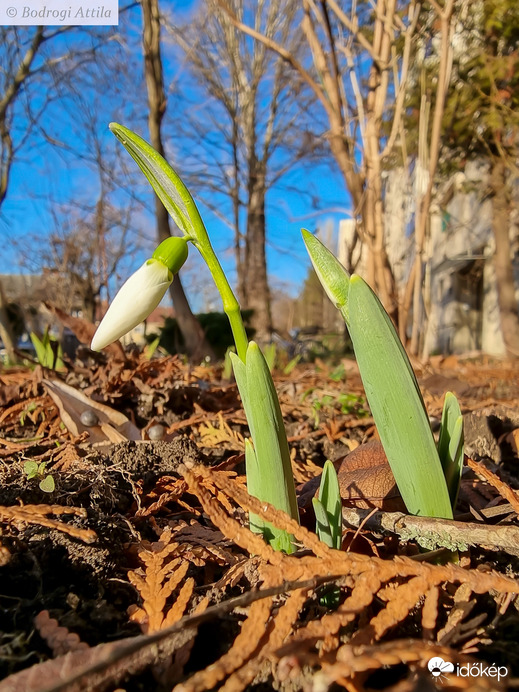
<point>177,199</point>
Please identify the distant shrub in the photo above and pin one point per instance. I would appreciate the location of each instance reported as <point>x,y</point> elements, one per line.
<point>215,325</point>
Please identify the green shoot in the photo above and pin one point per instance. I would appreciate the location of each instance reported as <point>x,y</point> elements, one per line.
<point>270,353</point>
<point>328,517</point>
<point>48,351</point>
<point>291,364</point>
<point>34,470</point>
<point>328,508</point>
<point>267,460</point>
<point>451,444</point>
<point>391,389</point>
<point>227,364</point>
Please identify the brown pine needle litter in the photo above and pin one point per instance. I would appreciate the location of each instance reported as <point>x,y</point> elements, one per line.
<point>200,602</point>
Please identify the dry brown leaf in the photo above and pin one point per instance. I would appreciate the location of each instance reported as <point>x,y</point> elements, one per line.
<point>366,479</point>
<point>113,425</point>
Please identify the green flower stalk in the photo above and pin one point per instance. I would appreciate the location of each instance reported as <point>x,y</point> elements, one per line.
<point>269,471</point>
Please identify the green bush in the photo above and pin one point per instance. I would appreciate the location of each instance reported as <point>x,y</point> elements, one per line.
<point>215,325</point>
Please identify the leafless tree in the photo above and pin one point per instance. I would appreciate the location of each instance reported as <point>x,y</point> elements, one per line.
<point>247,126</point>
<point>33,63</point>
<point>194,338</point>
<point>361,58</point>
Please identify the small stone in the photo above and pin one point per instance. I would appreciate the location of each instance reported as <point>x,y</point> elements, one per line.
<point>156,432</point>
<point>435,423</point>
<point>89,418</point>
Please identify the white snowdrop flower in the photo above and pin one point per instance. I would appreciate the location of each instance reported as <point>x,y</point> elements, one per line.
<point>141,293</point>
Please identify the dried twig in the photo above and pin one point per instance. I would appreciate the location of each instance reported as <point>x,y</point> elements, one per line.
<point>433,533</point>
<point>38,514</point>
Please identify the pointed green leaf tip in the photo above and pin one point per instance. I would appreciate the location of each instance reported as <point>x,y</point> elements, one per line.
<point>332,275</point>
<point>167,184</point>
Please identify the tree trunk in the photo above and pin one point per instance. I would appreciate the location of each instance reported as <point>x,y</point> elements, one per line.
<point>503,258</point>
<point>196,344</point>
<point>257,291</point>
<point>6,330</point>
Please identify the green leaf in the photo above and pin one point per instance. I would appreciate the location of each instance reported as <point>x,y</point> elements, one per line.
<point>270,352</point>
<point>291,364</point>
<point>451,444</point>
<point>396,404</point>
<point>45,351</point>
<point>322,523</point>
<point>39,347</point>
<point>47,484</point>
<point>168,186</point>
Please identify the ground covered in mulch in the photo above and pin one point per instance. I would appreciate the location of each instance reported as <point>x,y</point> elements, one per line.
<point>126,562</point>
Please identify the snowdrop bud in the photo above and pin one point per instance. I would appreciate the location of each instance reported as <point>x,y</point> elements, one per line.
<point>138,297</point>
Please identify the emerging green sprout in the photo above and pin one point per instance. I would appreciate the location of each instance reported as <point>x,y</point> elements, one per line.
<point>141,293</point>
<point>33,469</point>
<point>328,523</point>
<point>328,508</point>
<point>269,472</point>
<point>427,477</point>
<point>48,351</point>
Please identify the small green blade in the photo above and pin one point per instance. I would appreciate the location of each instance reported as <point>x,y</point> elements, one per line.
<point>451,444</point>
<point>330,499</point>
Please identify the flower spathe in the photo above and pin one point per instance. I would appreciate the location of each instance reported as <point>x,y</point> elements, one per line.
<point>134,302</point>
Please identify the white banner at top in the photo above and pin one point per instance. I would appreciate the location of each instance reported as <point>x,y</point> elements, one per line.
<point>59,12</point>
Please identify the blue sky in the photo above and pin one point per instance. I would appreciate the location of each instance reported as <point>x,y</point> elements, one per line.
<point>43,176</point>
